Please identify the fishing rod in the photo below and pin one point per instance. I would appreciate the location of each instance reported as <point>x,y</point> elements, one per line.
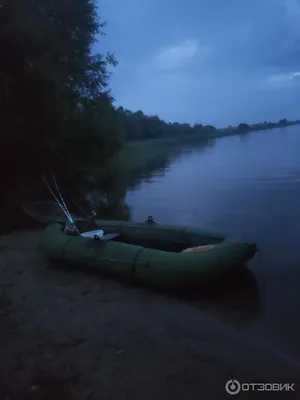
<point>60,201</point>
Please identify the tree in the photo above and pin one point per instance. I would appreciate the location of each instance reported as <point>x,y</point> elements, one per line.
<point>243,127</point>
<point>50,84</point>
<point>283,121</point>
<point>209,129</point>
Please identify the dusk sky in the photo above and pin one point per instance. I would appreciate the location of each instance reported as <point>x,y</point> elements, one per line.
<point>211,61</point>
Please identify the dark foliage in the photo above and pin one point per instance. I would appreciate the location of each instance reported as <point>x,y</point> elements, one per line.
<point>55,108</point>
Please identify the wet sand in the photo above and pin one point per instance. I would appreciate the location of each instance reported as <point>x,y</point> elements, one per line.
<point>69,334</point>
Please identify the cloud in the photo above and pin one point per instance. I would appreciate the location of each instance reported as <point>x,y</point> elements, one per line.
<point>248,72</point>
<point>282,80</point>
<point>177,56</point>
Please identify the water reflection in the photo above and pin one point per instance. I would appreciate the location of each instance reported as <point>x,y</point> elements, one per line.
<point>234,298</point>
<point>155,167</point>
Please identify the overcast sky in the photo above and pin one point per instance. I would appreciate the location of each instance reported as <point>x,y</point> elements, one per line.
<point>214,62</point>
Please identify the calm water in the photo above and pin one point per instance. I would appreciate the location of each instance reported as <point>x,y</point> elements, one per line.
<point>247,187</point>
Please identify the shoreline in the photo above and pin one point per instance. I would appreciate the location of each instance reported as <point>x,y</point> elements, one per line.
<point>75,334</point>
<point>196,137</point>
<point>141,154</point>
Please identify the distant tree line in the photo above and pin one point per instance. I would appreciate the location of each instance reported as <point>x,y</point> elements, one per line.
<point>138,126</point>
<point>134,126</point>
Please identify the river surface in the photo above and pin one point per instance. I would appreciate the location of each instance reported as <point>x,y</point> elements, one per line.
<point>247,187</point>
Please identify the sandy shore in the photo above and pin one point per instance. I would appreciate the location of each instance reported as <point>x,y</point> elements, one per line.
<point>73,335</point>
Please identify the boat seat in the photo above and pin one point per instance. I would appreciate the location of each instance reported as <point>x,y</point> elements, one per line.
<point>93,233</point>
<point>99,234</point>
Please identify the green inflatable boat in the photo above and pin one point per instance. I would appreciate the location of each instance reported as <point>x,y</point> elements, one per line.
<point>150,253</point>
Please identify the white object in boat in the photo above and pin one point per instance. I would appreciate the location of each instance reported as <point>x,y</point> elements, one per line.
<point>91,234</point>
